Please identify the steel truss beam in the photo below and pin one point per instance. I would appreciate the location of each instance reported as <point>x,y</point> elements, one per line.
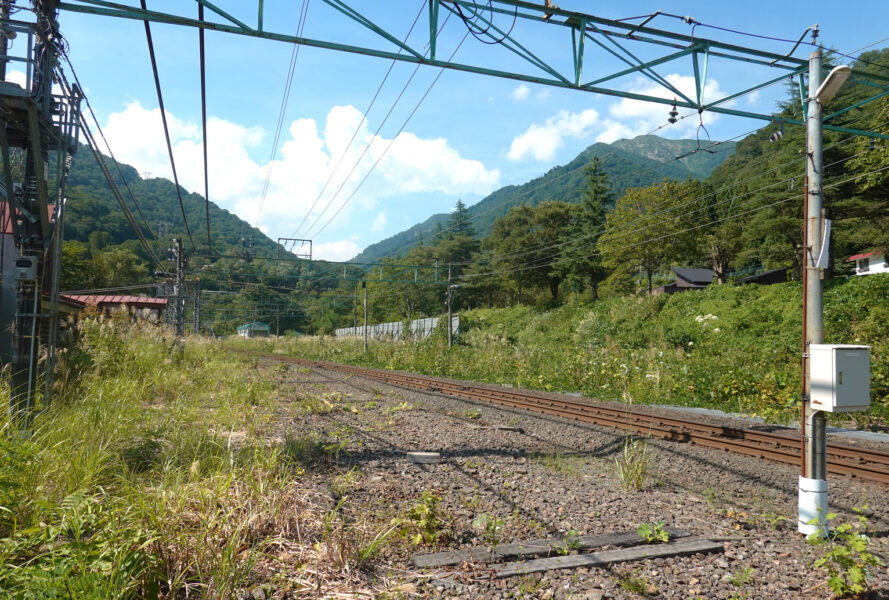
<point>607,35</point>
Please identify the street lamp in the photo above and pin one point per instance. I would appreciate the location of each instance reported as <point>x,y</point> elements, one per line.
<point>813,438</point>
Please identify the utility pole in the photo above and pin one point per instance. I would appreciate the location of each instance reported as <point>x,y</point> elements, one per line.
<point>364,285</point>
<point>450,292</point>
<point>813,479</point>
<point>179,261</point>
<point>355,303</point>
<point>197,306</point>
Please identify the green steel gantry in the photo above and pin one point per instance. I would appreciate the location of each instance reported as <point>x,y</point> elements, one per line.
<point>586,34</point>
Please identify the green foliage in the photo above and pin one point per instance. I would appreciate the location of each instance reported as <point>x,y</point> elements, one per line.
<point>845,556</point>
<point>423,523</point>
<point>742,577</point>
<point>569,543</point>
<point>491,526</point>
<point>632,464</point>
<point>653,533</point>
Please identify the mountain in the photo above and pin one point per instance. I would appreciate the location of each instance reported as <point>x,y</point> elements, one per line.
<point>93,215</point>
<point>629,163</point>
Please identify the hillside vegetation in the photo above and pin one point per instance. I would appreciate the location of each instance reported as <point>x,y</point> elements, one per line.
<point>734,348</point>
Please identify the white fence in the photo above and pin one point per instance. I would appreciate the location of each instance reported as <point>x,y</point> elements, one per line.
<point>421,328</point>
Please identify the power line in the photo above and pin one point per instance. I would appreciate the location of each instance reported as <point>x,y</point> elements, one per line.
<point>363,119</point>
<point>160,101</point>
<point>294,55</point>
<point>204,124</point>
<point>392,141</point>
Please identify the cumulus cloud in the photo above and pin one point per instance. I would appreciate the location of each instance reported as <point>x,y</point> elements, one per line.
<point>629,118</point>
<point>303,171</point>
<point>521,92</point>
<point>339,250</point>
<point>542,141</point>
<point>379,222</point>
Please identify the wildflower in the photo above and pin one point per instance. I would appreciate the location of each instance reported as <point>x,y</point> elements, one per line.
<point>716,330</point>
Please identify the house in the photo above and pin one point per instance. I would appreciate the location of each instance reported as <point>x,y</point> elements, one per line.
<point>767,277</point>
<point>148,309</point>
<point>869,263</point>
<point>255,329</point>
<point>687,279</point>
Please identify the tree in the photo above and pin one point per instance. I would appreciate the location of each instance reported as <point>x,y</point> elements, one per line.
<point>521,245</point>
<point>578,262</point>
<point>652,226</point>
<point>460,222</point>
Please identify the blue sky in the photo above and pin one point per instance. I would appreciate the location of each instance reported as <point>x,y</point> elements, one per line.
<point>470,135</point>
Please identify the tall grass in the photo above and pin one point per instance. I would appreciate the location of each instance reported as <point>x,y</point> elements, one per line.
<point>130,485</point>
<point>735,348</point>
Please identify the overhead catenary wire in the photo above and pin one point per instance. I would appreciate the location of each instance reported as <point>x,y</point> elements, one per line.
<point>204,123</point>
<point>360,124</point>
<point>282,112</point>
<point>392,141</point>
<point>160,101</point>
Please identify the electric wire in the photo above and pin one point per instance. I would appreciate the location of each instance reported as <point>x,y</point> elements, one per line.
<point>282,113</point>
<point>363,119</point>
<point>160,101</point>
<point>392,141</point>
<point>204,123</point>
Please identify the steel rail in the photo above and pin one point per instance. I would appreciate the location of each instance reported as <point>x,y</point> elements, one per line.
<point>861,463</point>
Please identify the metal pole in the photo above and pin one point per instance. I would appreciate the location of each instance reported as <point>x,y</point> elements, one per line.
<point>450,290</point>
<point>813,499</point>
<point>364,285</point>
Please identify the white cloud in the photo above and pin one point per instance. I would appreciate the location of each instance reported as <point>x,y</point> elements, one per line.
<point>542,141</point>
<point>521,92</point>
<point>304,165</point>
<point>753,97</point>
<point>336,251</point>
<point>635,117</point>
<point>543,94</point>
<point>379,222</point>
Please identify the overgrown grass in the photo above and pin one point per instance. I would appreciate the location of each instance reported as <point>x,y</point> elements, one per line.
<point>155,475</point>
<point>734,348</point>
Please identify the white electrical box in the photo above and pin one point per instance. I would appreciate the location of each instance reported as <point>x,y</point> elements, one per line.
<point>840,375</point>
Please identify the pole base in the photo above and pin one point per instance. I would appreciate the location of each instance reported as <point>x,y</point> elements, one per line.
<point>812,506</point>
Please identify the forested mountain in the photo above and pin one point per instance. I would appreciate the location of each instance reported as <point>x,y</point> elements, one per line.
<point>628,163</point>
<point>94,217</point>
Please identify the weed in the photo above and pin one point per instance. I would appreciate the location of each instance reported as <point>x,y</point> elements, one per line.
<point>653,533</point>
<point>423,522</point>
<point>344,483</point>
<point>632,465</point>
<point>636,583</point>
<point>775,520</point>
<point>741,577</point>
<point>845,556</point>
<point>569,543</point>
<point>561,463</point>
<point>472,414</point>
<point>491,526</point>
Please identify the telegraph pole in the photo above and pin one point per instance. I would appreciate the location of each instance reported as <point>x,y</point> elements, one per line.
<point>450,292</point>
<point>364,285</point>
<point>179,261</point>
<point>197,306</point>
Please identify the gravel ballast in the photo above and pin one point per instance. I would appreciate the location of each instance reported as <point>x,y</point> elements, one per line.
<point>538,476</point>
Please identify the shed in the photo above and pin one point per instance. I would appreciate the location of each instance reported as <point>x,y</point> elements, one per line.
<point>687,279</point>
<point>868,263</point>
<point>254,329</point>
<point>140,307</point>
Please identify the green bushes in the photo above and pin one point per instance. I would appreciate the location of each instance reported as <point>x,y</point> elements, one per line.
<point>728,347</point>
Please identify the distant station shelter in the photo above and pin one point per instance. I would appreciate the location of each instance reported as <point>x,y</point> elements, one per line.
<point>255,329</point>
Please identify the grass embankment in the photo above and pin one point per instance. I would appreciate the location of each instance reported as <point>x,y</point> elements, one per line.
<point>156,474</point>
<point>734,348</point>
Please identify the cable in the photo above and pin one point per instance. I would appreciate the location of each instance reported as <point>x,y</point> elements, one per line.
<point>204,124</point>
<point>294,55</point>
<point>363,119</point>
<point>160,101</point>
<point>392,141</point>
<point>105,140</point>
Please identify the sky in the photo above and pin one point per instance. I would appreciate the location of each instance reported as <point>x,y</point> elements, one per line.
<point>352,166</point>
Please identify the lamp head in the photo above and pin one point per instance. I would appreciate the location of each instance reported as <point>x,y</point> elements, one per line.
<point>832,83</point>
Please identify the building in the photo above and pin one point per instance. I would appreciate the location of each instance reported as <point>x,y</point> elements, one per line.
<point>255,329</point>
<point>687,279</point>
<point>148,309</point>
<point>869,263</point>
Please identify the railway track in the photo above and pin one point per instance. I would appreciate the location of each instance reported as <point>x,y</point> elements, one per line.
<point>861,463</point>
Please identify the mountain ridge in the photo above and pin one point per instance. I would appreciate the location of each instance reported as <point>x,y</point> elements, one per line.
<point>638,162</point>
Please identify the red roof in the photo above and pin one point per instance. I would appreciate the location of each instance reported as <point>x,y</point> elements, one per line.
<point>103,300</point>
<point>864,255</point>
<point>6,224</point>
